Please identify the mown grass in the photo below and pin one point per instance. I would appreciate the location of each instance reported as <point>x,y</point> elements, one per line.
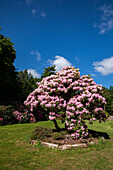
<point>17,153</point>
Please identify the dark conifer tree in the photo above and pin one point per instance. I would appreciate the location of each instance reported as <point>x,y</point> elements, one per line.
<point>9,87</point>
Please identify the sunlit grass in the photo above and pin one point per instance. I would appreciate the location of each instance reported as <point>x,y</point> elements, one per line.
<point>17,153</point>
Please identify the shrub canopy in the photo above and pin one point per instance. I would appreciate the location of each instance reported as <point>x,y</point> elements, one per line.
<point>70,97</point>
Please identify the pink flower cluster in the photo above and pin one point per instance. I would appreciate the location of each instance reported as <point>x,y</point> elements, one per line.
<point>1,120</point>
<point>32,118</point>
<point>78,97</point>
<point>21,117</point>
<point>18,115</point>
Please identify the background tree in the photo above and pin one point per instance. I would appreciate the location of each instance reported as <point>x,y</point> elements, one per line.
<point>27,83</point>
<point>111,91</point>
<point>9,87</point>
<point>108,94</point>
<point>48,71</point>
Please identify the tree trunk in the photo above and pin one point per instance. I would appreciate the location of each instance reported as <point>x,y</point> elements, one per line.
<point>56,125</point>
<point>65,127</point>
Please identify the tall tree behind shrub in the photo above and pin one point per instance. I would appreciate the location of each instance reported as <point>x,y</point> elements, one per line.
<point>27,83</point>
<point>8,75</point>
<point>48,72</point>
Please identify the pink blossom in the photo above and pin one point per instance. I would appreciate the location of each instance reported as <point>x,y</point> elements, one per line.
<point>72,135</point>
<point>51,117</point>
<point>72,124</point>
<point>67,123</point>
<point>48,105</point>
<point>82,128</point>
<point>77,130</point>
<point>79,105</point>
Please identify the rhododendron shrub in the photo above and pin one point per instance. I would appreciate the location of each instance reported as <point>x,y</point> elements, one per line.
<point>18,114</point>
<point>22,114</point>
<point>6,115</point>
<point>24,117</point>
<point>70,97</point>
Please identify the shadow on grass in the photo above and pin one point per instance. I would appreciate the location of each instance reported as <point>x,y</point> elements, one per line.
<point>92,133</point>
<point>97,134</point>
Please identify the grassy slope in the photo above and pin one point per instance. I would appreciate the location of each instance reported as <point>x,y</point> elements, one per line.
<point>17,153</point>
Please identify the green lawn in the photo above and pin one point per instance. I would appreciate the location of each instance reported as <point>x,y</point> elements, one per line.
<point>17,153</point>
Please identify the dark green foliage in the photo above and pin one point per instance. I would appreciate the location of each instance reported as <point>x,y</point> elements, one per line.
<point>58,135</point>
<point>6,112</point>
<point>108,94</point>
<point>48,72</point>
<point>40,133</point>
<point>111,91</point>
<point>40,114</point>
<point>27,84</point>
<point>9,87</point>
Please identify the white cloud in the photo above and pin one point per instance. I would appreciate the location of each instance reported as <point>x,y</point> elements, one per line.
<point>105,67</point>
<point>59,62</point>
<point>106,19</point>
<point>33,73</point>
<point>43,14</point>
<point>33,11</point>
<point>35,52</point>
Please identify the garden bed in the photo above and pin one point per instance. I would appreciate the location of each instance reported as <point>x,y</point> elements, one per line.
<point>53,139</point>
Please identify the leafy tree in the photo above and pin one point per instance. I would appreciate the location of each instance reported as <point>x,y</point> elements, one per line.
<point>8,76</point>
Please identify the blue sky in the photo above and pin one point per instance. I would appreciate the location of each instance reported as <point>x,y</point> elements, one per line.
<point>61,32</point>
